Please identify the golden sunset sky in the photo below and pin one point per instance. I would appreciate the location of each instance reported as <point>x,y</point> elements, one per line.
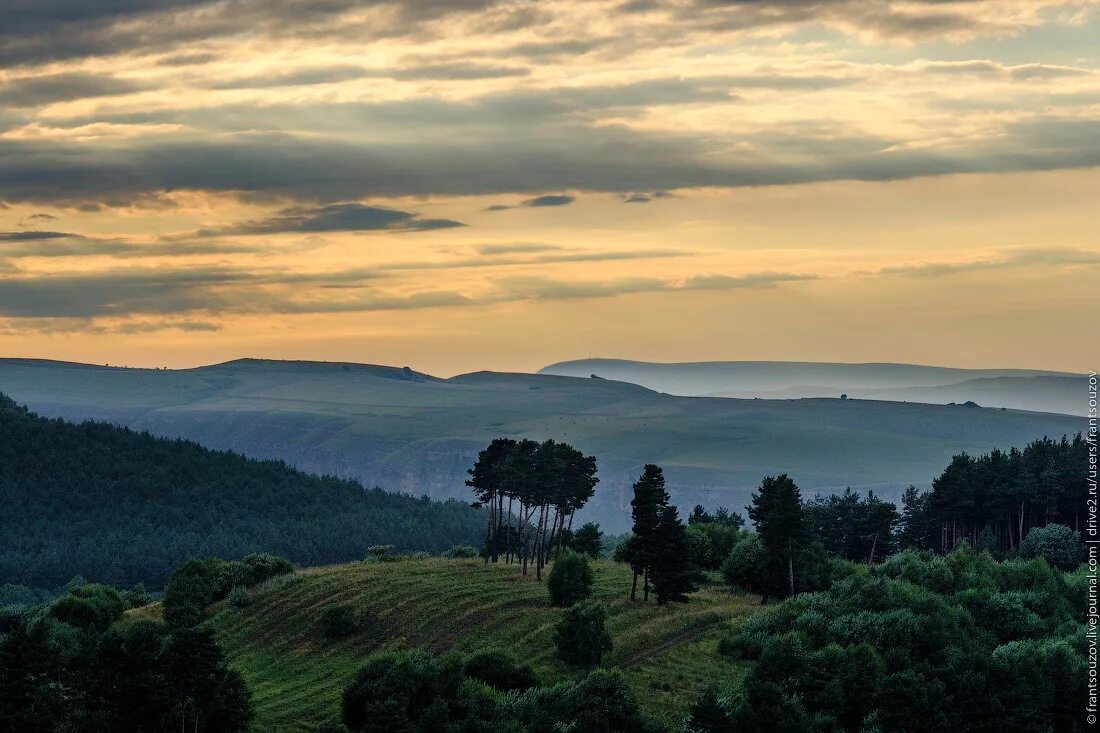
<point>467,184</point>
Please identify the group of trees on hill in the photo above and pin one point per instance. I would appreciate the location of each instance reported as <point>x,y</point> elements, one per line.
<point>532,491</point>
<point>994,500</point>
<point>120,507</point>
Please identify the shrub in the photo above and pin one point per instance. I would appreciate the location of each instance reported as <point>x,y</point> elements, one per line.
<point>238,597</point>
<point>581,635</point>
<point>339,622</point>
<point>461,551</point>
<point>588,540</point>
<point>264,567</point>
<point>137,596</point>
<point>498,669</point>
<point>1056,543</point>
<point>743,566</point>
<point>570,579</point>
<point>380,553</point>
<point>90,607</point>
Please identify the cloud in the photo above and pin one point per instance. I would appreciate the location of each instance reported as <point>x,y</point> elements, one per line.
<point>1048,256</point>
<point>547,200</point>
<point>351,217</point>
<point>180,294</point>
<point>33,236</point>
<point>515,248</point>
<point>753,280</point>
<point>36,91</point>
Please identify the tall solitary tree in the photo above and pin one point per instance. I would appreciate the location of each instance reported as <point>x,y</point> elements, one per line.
<point>650,497</point>
<point>777,512</point>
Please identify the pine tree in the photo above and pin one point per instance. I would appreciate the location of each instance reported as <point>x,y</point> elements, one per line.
<point>777,511</point>
<point>650,497</point>
<point>672,572</point>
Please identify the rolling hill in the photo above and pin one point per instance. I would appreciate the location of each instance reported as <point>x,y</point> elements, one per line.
<point>116,506</point>
<point>1021,389</point>
<point>411,432</point>
<point>297,675</point>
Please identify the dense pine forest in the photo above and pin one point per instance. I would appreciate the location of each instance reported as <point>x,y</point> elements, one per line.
<point>119,507</point>
<point>994,500</point>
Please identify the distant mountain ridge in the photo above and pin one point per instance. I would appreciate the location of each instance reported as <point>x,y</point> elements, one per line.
<point>418,434</point>
<point>1023,389</point>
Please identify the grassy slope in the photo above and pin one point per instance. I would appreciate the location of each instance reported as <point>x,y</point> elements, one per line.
<point>297,675</point>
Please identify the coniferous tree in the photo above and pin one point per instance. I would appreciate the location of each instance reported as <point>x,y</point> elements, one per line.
<point>588,540</point>
<point>777,512</point>
<point>650,497</point>
<point>672,571</point>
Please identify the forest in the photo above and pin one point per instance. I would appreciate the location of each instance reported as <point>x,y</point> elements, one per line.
<point>110,505</point>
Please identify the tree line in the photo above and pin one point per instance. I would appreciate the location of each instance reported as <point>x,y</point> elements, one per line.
<point>995,499</point>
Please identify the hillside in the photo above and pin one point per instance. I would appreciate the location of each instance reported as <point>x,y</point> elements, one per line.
<point>297,675</point>
<point>1021,389</point>
<point>117,506</point>
<point>410,432</point>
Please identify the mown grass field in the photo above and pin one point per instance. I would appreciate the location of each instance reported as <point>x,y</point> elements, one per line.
<point>297,675</point>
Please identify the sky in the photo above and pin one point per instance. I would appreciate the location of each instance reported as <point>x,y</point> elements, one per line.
<point>457,185</point>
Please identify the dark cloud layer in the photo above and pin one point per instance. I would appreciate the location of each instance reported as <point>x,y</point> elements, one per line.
<point>34,91</point>
<point>350,217</point>
<point>550,157</point>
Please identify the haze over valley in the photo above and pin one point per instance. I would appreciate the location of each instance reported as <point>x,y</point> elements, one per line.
<point>411,432</point>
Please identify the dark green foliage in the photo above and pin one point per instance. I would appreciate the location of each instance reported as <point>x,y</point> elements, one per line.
<point>917,528</point>
<point>711,713</point>
<point>744,566</point>
<point>581,635</point>
<point>90,607</point>
<point>137,596</point>
<point>339,621</point>
<point>499,670</point>
<point>919,643</point>
<point>711,543</point>
<point>722,517</point>
<point>672,573</point>
<point>601,702</point>
<point>461,551</point>
<point>1057,544</point>
<point>650,496</point>
<point>120,507</point>
<point>1007,494</point>
<point>545,483</point>
<point>570,579</point>
<point>129,677</point>
<point>777,511</point>
<point>203,688</point>
<point>201,581</point>
<point>400,691</point>
<point>415,692</point>
<point>264,567</point>
<point>860,529</point>
<point>381,553</point>
<point>588,540</point>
